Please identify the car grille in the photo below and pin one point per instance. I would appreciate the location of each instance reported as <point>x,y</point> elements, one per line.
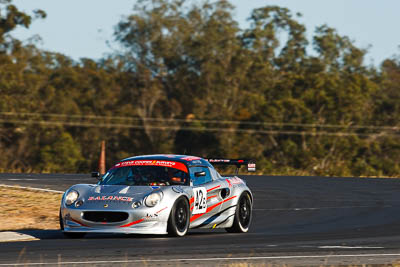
<point>105,216</point>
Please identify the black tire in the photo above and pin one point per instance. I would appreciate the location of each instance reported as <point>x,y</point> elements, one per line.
<point>243,214</point>
<point>69,234</point>
<point>178,221</point>
<point>61,222</point>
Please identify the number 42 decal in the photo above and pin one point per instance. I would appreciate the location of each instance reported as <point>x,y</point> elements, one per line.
<point>200,200</point>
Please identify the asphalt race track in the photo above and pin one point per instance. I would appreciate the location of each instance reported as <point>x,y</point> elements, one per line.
<point>297,221</point>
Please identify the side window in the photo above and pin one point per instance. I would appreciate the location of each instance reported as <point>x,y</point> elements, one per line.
<point>202,179</point>
<point>214,174</point>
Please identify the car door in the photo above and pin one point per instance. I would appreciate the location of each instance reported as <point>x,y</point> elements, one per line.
<point>227,195</point>
<point>204,202</point>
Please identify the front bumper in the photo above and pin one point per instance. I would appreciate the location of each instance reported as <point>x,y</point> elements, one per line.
<point>140,221</point>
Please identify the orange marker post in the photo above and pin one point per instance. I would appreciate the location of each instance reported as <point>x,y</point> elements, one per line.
<point>102,160</point>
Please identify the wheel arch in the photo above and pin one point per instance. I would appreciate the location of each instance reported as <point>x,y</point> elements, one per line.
<point>172,203</point>
<point>250,194</point>
<point>171,227</point>
<point>188,201</point>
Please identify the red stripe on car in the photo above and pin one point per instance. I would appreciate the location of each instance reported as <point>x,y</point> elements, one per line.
<point>132,223</point>
<point>210,209</point>
<point>161,210</point>
<point>191,202</point>
<point>141,220</point>
<point>77,222</point>
<point>211,189</point>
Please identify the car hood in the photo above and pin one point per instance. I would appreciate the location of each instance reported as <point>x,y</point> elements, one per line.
<point>87,190</point>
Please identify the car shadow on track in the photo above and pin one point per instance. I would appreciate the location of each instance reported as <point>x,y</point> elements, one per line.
<point>57,234</point>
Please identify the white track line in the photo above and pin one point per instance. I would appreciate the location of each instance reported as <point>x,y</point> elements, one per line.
<point>348,247</point>
<point>323,208</point>
<point>200,259</point>
<point>21,179</point>
<point>32,188</point>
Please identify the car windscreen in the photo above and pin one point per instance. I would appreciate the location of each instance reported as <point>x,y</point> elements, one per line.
<point>145,175</point>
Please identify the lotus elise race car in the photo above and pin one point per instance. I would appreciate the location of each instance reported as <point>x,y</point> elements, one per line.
<point>159,194</point>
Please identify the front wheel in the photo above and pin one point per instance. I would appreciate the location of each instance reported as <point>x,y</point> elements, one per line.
<point>242,217</point>
<point>61,221</point>
<point>178,222</point>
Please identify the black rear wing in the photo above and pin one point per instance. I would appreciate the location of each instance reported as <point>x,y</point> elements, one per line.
<point>251,164</point>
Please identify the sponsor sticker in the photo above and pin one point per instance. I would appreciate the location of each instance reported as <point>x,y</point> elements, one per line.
<point>110,198</point>
<point>234,181</point>
<point>162,163</point>
<point>191,158</point>
<point>218,160</point>
<point>200,200</point>
<point>251,167</point>
<point>177,189</point>
<point>153,216</point>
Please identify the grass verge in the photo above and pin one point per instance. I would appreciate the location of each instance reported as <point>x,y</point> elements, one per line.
<point>28,209</point>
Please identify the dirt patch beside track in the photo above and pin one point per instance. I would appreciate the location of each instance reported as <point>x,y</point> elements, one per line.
<point>28,209</point>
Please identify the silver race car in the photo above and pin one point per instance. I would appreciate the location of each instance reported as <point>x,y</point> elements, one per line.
<point>159,194</point>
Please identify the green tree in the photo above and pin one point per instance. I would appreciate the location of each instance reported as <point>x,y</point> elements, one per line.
<point>63,155</point>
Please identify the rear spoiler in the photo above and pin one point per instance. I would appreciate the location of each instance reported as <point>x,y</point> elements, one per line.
<point>251,164</point>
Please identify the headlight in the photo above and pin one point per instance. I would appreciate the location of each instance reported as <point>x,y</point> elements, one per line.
<point>153,199</point>
<point>71,197</point>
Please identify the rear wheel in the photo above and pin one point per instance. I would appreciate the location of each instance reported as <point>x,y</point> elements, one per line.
<point>242,217</point>
<point>178,222</point>
<point>69,234</point>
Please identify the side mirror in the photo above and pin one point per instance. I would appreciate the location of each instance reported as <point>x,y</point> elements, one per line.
<point>96,175</point>
<point>199,174</point>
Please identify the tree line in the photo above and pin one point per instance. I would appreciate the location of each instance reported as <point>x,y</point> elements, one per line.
<point>187,79</point>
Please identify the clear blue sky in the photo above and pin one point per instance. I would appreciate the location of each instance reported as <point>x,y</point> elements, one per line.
<point>80,28</point>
